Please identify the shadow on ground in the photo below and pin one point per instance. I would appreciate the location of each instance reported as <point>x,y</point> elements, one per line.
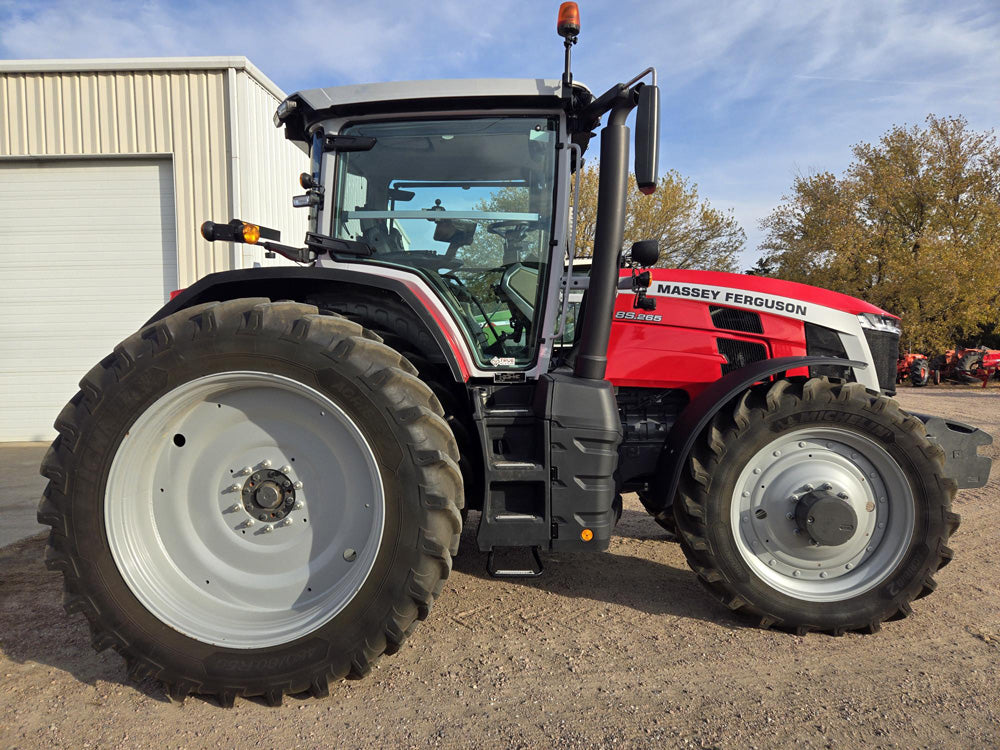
<point>35,628</point>
<point>627,575</point>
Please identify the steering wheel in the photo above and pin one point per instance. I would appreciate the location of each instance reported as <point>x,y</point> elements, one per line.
<point>502,228</point>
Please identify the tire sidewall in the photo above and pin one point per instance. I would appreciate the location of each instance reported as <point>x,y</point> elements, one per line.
<point>914,565</point>
<point>157,374</point>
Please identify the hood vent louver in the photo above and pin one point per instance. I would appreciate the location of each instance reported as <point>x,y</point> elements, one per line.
<point>732,319</point>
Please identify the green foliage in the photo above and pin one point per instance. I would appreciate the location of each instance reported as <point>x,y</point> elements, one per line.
<point>913,226</point>
<point>691,233</point>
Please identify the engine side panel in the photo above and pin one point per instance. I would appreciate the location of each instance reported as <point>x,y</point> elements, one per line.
<point>707,324</point>
<point>682,345</point>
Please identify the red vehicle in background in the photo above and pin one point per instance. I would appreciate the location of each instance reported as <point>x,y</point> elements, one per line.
<point>966,365</point>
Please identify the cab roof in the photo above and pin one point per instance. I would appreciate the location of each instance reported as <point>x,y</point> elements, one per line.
<point>312,105</point>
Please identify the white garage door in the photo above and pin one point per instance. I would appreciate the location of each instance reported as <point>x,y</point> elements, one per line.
<point>87,255</point>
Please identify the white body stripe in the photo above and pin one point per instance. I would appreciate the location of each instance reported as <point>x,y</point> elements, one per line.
<point>413,280</point>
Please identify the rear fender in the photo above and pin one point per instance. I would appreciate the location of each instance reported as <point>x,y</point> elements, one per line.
<point>703,407</point>
<point>302,284</point>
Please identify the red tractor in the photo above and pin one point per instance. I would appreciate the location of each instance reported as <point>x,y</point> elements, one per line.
<point>966,365</point>
<point>262,489</point>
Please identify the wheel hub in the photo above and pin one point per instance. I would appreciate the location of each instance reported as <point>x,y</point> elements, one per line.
<point>821,513</point>
<point>827,518</point>
<point>269,493</point>
<point>231,577</point>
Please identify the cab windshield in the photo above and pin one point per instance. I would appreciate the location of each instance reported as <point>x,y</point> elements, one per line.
<point>466,203</point>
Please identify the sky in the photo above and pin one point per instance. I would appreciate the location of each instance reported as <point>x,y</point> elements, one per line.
<point>753,93</point>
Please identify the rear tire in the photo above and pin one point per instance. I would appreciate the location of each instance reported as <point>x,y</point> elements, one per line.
<point>920,373</point>
<point>286,380</point>
<point>967,365</point>
<point>774,444</point>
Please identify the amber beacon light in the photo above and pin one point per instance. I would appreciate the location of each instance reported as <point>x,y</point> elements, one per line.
<point>569,20</point>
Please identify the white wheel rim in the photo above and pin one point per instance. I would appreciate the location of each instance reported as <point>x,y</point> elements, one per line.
<point>845,463</point>
<point>190,545</point>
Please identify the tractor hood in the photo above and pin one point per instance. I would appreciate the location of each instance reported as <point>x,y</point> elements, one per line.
<point>763,285</point>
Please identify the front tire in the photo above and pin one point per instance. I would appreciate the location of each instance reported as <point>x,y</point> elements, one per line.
<point>250,499</point>
<point>815,505</point>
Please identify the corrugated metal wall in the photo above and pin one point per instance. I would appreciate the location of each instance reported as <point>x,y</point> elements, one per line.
<point>268,168</point>
<point>184,113</point>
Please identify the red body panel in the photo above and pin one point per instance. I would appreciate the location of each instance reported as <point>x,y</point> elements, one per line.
<point>675,346</point>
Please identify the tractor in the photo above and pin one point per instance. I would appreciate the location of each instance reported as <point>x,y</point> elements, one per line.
<point>261,491</point>
<point>966,365</point>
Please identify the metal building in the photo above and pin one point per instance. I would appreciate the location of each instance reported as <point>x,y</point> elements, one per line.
<point>107,169</point>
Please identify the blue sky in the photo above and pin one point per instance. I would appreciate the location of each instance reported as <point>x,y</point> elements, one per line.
<point>753,92</point>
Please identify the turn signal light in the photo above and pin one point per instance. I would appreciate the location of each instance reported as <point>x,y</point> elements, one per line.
<point>586,535</point>
<point>306,181</point>
<point>569,20</point>
<point>251,233</point>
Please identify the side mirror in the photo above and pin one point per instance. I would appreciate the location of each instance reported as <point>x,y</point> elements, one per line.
<point>647,138</point>
<point>645,253</point>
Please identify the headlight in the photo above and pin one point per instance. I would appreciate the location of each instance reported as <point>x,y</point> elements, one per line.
<point>877,322</point>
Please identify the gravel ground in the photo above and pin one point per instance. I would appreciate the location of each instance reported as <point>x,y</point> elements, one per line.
<point>622,648</point>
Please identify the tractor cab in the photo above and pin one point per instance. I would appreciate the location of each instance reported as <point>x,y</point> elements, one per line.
<point>465,198</point>
<point>469,185</point>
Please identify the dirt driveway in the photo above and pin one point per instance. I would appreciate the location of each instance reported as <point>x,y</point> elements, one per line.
<point>621,649</point>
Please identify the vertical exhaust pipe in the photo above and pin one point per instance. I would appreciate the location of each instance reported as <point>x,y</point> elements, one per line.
<point>592,357</point>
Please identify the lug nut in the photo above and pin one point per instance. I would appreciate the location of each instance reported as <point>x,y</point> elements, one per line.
<point>233,508</point>
<point>268,529</point>
<point>286,469</point>
<point>842,495</point>
<point>262,516</point>
<point>299,505</point>
<point>790,516</point>
<point>233,488</point>
<point>244,471</point>
<point>350,555</point>
<point>826,486</point>
<point>809,488</point>
<point>249,522</point>
<point>297,485</point>
<point>266,463</point>
<point>286,522</point>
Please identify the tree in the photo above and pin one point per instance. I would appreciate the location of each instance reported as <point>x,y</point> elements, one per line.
<point>913,226</point>
<point>691,233</point>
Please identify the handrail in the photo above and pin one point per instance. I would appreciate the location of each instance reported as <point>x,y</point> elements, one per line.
<point>568,283</point>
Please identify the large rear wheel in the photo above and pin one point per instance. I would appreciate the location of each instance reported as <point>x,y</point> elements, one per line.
<point>816,505</point>
<point>967,367</point>
<point>920,373</point>
<point>250,498</point>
